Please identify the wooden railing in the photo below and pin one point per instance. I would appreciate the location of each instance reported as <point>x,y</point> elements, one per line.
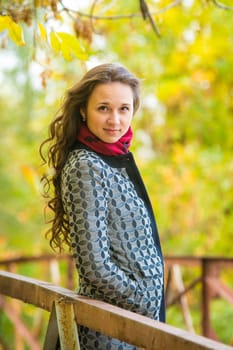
<point>67,309</point>
<point>212,287</point>
<point>204,284</point>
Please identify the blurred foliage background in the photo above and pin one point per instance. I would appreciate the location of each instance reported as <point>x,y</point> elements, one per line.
<point>183,137</point>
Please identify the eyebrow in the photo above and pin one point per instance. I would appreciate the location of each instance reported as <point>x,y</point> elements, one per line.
<point>108,103</point>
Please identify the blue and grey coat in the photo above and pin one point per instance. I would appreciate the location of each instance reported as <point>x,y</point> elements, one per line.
<point>115,242</point>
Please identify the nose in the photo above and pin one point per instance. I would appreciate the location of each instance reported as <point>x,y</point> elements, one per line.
<point>114,117</point>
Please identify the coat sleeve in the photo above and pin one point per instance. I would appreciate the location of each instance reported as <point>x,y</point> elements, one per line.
<point>85,202</point>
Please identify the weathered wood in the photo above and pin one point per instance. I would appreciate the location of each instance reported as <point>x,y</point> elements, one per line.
<point>62,327</point>
<point>52,334</point>
<point>221,289</point>
<point>179,295</point>
<point>179,286</point>
<point>209,271</point>
<point>34,258</point>
<point>112,321</point>
<point>67,327</point>
<point>221,261</point>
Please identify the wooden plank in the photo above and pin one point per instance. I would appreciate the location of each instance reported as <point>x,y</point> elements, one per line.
<point>197,261</point>
<point>185,291</point>
<point>35,258</point>
<point>52,335</point>
<point>67,327</point>
<point>221,289</point>
<point>169,260</point>
<point>113,321</point>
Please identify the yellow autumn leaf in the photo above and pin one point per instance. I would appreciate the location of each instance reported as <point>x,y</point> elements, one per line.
<point>3,24</point>
<point>42,31</point>
<point>15,32</point>
<point>66,52</point>
<point>55,42</point>
<point>70,46</point>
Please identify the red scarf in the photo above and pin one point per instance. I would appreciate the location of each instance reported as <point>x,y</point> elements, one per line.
<point>86,137</point>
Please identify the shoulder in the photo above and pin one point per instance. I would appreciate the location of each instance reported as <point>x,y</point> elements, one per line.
<point>85,157</point>
<point>85,161</point>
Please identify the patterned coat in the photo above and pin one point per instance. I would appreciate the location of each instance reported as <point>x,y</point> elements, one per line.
<point>114,237</point>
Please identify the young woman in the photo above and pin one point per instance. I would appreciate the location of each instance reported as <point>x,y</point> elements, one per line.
<point>101,207</point>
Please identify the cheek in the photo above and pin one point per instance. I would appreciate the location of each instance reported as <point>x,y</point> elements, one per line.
<point>128,120</point>
<point>94,121</point>
<point>92,116</point>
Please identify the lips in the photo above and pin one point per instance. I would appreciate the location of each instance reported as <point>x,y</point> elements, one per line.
<point>112,131</point>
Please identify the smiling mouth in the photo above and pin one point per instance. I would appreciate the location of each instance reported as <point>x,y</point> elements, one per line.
<point>112,130</point>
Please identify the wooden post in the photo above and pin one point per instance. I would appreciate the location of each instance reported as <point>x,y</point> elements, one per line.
<point>67,327</point>
<point>52,335</point>
<point>183,299</point>
<point>210,272</point>
<point>205,300</point>
<point>62,327</point>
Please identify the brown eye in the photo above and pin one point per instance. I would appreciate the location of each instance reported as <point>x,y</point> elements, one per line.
<point>125,108</point>
<point>103,108</point>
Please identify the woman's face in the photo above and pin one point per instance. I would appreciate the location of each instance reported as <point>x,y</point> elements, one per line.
<point>109,111</point>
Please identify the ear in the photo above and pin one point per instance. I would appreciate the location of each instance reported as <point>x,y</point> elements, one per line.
<point>83,113</point>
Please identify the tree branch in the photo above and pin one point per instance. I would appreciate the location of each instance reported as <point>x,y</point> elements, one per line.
<point>146,14</point>
<point>117,17</point>
<point>92,16</point>
<point>222,6</point>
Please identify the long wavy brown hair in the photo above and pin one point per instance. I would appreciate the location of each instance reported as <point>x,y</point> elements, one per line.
<point>63,132</point>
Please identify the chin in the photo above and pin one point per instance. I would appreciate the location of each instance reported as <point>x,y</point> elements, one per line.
<point>109,141</point>
<point>112,139</point>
